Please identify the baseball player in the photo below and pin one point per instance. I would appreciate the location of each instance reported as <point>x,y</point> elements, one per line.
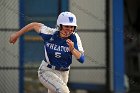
<point>60,44</point>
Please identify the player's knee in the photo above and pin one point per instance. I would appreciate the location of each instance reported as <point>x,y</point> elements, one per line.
<point>63,89</point>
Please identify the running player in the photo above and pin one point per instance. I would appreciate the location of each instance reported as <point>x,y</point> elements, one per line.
<point>59,45</point>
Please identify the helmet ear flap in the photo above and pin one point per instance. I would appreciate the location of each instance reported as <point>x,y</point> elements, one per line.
<point>60,27</point>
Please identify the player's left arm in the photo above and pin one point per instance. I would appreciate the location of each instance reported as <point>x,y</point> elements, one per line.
<point>79,55</point>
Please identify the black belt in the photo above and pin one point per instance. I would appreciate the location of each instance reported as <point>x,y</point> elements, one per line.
<point>57,68</point>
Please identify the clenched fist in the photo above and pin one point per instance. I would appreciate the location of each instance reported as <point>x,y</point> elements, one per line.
<point>13,38</point>
<point>71,44</point>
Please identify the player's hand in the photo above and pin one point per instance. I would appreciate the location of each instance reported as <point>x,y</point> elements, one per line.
<point>71,44</point>
<point>13,38</point>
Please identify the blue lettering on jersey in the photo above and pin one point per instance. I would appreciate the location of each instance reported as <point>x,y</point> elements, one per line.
<point>57,47</point>
<point>70,19</point>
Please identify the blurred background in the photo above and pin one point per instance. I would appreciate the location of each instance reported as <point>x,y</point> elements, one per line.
<point>101,72</point>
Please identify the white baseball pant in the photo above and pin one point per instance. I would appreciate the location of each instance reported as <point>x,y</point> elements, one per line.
<point>55,81</point>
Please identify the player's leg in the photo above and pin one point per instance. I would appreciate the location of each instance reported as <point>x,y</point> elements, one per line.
<point>65,76</point>
<point>52,80</point>
<point>54,83</point>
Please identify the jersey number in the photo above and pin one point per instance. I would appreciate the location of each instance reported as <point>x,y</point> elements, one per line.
<point>57,54</point>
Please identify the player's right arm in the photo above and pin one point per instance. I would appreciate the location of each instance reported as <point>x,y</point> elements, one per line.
<point>32,26</point>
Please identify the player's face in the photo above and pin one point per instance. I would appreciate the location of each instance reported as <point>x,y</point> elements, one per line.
<point>66,31</point>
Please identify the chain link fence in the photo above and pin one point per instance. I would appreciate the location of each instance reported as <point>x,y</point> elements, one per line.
<point>9,60</point>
